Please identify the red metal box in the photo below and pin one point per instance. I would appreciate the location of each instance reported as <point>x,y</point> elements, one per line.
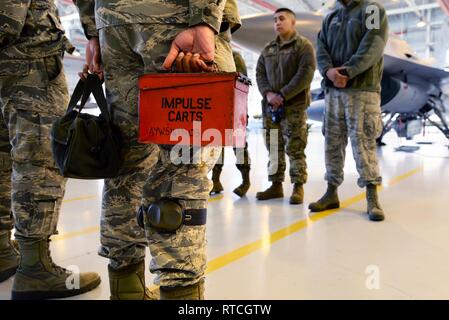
<point>193,108</point>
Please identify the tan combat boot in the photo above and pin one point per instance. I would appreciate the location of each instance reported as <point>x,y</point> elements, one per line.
<point>192,292</point>
<point>273,192</point>
<point>9,257</point>
<point>328,201</point>
<point>129,283</point>
<point>243,188</point>
<point>374,211</point>
<point>297,194</point>
<point>38,277</point>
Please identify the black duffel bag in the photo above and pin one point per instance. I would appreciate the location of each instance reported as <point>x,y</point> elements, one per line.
<point>86,146</point>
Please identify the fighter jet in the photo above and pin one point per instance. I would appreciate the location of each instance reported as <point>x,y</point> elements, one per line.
<point>412,90</point>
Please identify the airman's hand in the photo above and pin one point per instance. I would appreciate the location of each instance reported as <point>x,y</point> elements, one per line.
<point>193,50</point>
<point>339,80</point>
<point>191,62</point>
<point>93,59</point>
<point>275,100</point>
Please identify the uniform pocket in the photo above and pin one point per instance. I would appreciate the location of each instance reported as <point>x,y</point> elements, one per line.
<point>41,220</point>
<point>53,67</point>
<point>373,125</point>
<point>30,137</point>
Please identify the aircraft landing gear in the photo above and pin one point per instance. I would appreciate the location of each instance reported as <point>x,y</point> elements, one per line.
<point>387,127</point>
<point>437,107</point>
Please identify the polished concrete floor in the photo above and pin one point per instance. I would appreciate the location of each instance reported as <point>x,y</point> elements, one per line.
<point>273,250</point>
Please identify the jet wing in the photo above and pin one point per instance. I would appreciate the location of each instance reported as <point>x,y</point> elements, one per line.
<point>395,66</point>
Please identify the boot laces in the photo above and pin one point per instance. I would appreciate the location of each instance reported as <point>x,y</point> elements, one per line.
<point>59,270</point>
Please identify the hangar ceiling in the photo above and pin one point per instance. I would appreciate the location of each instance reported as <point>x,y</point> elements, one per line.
<point>423,23</point>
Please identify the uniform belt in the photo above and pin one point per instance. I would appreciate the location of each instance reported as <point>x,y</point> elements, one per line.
<point>194,217</point>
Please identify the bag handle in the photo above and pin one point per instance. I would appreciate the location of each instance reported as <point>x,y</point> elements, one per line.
<point>82,91</point>
<point>79,92</point>
<point>98,93</point>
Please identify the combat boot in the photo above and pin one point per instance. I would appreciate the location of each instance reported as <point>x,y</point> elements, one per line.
<point>129,283</point>
<point>328,201</point>
<point>297,194</point>
<point>192,292</point>
<point>9,257</point>
<point>243,188</point>
<point>38,277</point>
<point>217,188</point>
<point>273,192</point>
<point>374,211</point>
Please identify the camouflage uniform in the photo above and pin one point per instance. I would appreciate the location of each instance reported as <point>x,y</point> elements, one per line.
<point>355,115</point>
<point>354,111</point>
<point>243,165</point>
<point>291,140</point>
<point>33,94</point>
<point>287,68</point>
<point>135,37</point>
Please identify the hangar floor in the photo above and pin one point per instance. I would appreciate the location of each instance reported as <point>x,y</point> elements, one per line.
<point>272,250</point>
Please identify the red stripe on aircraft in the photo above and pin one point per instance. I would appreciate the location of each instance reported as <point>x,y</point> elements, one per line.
<point>444,5</point>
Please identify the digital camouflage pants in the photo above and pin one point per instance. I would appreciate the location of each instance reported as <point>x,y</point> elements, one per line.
<point>148,174</point>
<point>357,115</point>
<point>291,135</point>
<point>33,94</point>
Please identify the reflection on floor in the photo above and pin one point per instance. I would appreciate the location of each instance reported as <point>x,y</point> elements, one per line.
<point>272,250</point>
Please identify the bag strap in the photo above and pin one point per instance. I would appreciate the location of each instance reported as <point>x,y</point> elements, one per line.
<point>79,92</point>
<point>82,91</point>
<point>98,93</point>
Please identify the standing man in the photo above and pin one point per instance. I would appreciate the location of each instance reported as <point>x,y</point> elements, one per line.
<point>350,58</point>
<point>129,38</point>
<point>33,94</point>
<point>284,73</point>
<point>243,165</point>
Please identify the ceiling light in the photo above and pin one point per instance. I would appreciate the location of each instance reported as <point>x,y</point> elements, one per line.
<point>421,23</point>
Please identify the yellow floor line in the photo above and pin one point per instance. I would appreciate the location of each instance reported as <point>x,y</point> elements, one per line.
<point>216,198</point>
<point>241,252</point>
<point>74,234</point>
<point>80,198</point>
<point>244,251</point>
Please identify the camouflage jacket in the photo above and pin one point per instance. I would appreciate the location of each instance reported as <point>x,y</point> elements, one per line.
<point>287,68</point>
<point>240,64</point>
<point>97,14</point>
<point>30,29</point>
<point>346,40</point>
